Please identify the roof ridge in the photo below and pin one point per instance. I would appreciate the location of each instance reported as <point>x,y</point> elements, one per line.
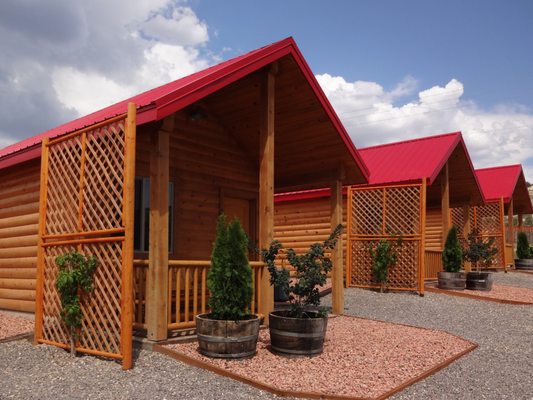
<point>418,139</point>
<point>499,167</point>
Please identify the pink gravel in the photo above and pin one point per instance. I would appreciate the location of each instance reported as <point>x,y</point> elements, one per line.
<point>13,326</point>
<point>361,358</point>
<point>504,292</point>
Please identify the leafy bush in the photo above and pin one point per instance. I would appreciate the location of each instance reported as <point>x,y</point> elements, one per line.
<point>452,255</point>
<point>384,256</point>
<point>480,251</point>
<point>311,271</point>
<point>230,277</point>
<point>522,246</point>
<point>75,278</point>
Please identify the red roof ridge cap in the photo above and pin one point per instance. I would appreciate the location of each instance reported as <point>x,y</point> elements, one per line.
<point>500,167</point>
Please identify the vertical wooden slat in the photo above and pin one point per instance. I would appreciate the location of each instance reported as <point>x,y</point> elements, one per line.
<point>127,249</point>
<point>266,182</point>
<point>39,293</point>
<point>384,213</point>
<point>169,296</point>
<point>195,292</point>
<point>338,268</point>
<point>445,203</point>
<point>466,231</point>
<point>204,289</point>
<point>156,318</point>
<point>178,295</point>
<point>254,281</point>
<point>349,217</point>
<point>187,294</point>
<point>502,222</point>
<point>422,244</point>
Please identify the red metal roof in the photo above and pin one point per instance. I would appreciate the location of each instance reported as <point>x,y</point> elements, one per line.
<point>405,161</point>
<point>164,100</point>
<point>508,182</point>
<point>409,160</point>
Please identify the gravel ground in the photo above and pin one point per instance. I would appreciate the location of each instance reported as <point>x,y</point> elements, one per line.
<point>360,355</point>
<point>500,368</point>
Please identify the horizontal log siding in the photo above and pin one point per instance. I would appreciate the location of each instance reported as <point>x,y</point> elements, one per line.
<point>298,224</point>
<point>433,229</point>
<point>19,212</point>
<point>205,161</point>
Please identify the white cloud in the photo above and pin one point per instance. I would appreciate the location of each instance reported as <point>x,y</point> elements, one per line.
<point>502,135</point>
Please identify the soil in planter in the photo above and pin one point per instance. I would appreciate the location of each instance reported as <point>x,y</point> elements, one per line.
<point>297,336</point>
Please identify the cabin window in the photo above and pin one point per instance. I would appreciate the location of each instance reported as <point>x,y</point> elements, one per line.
<point>142,215</point>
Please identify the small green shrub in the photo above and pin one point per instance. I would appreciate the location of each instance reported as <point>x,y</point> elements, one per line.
<point>384,256</point>
<point>480,251</point>
<point>522,246</point>
<point>75,278</point>
<point>452,255</point>
<point>230,277</point>
<point>311,271</point>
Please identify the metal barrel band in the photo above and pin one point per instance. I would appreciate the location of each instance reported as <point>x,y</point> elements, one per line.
<point>297,352</point>
<point>297,334</point>
<point>236,355</point>
<point>216,339</point>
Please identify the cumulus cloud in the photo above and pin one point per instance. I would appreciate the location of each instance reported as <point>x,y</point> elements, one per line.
<point>65,58</point>
<point>501,135</point>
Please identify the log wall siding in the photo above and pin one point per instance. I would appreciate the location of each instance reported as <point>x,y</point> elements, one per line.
<point>434,229</point>
<point>206,163</point>
<point>19,213</point>
<point>298,224</point>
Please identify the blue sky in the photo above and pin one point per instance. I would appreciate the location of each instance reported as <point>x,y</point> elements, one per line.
<point>392,70</point>
<point>487,45</point>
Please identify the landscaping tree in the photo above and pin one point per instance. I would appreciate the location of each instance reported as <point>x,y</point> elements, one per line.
<point>230,277</point>
<point>522,246</point>
<point>452,255</point>
<point>384,256</point>
<point>479,250</point>
<point>74,280</point>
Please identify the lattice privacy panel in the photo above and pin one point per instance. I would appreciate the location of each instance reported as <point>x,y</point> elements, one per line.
<point>83,209</point>
<point>488,220</point>
<point>386,213</point>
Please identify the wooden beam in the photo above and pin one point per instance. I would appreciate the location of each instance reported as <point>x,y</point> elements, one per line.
<point>510,214</point>
<point>337,286</point>
<point>445,203</point>
<point>466,231</point>
<point>156,301</point>
<point>266,183</point>
<point>520,219</point>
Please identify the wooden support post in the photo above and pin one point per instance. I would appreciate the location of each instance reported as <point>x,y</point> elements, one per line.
<point>445,203</point>
<point>266,183</point>
<point>127,251</point>
<point>422,249</point>
<point>520,219</point>
<point>466,231</point>
<point>156,301</point>
<point>337,285</point>
<point>510,215</point>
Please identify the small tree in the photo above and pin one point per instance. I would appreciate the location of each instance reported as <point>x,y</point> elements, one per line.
<point>384,256</point>
<point>522,246</point>
<point>479,250</point>
<point>311,271</point>
<point>75,279</point>
<point>230,278</point>
<point>452,255</point>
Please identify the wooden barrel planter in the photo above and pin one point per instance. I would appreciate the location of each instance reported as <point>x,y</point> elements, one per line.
<point>479,281</point>
<point>297,336</point>
<point>227,339</point>
<point>452,280</point>
<point>524,263</point>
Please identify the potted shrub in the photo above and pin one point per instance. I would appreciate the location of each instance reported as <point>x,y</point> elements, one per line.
<point>480,252</point>
<point>74,282</point>
<point>300,330</point>
<point>452,261</point>
<point>384,256</point>
<point>229,331</point>
<point>523,252</point>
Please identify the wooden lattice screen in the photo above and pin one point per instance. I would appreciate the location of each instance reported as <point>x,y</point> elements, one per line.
<point>488,219</point>
<point>387,212</point>
<point>87,194</point>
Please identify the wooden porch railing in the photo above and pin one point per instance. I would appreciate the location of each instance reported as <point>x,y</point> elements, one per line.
<point>433,264</point>
<point>187,291</point>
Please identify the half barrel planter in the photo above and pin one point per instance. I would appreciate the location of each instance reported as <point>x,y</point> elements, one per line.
<point>452,280</point>
<point>227,339</point>
<point>524,264</point>
<point>479,281</point>
<point>297,336</point>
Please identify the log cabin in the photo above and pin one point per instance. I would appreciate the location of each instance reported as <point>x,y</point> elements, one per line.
<point>506,194</point>
<point>224,139</point>
<point>442,161</point>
